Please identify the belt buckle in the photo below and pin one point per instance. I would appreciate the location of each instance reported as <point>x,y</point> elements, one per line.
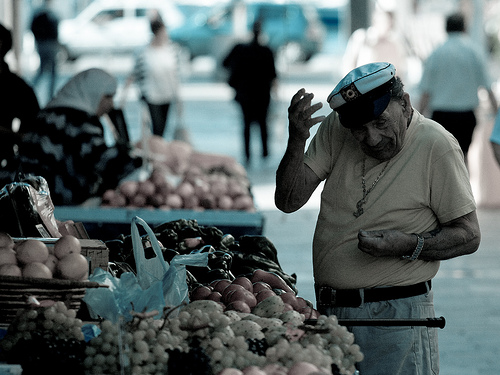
<point>327,296</point>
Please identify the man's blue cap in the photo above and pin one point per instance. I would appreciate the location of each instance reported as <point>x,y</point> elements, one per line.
<point>363,94</point>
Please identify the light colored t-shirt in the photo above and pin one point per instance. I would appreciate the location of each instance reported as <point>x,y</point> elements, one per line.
<point>495,133</point>
<point>156,71</point>
<point>452,75</point>
<point>425,184</point>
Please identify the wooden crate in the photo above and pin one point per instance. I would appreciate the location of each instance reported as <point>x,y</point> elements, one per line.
<point>96,252</point>
<point>17,293</point>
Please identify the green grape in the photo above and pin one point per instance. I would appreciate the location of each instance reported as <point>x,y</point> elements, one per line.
<point>150,334</point>
<point>99,359</point>
<point>141,346</point>
<point>139,335</point>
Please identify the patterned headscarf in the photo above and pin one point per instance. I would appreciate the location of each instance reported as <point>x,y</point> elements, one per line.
<point>85,90</point>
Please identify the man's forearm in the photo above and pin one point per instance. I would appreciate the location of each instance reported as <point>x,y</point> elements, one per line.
<point>461,237</point>
<point>458,237</point>
<point>291,187</point>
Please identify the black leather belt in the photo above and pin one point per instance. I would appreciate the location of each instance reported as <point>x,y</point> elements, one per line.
<point>329,297</point>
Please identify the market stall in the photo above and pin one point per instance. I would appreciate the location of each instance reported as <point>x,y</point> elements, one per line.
<point>219,304</point>
<point>168,272</point>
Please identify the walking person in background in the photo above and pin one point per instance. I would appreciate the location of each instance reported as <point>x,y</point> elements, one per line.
<point>380,42</point>
<point>18,110</point>
<point>156,72</point>
<point>252,74</point>
<point>396,201</point>
<point>451,78</point>
<point>44,27</point>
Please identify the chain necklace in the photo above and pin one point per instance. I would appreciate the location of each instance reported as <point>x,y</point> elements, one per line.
<point>362,201</point>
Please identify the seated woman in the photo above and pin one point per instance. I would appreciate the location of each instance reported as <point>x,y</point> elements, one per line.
<point>67,147</point>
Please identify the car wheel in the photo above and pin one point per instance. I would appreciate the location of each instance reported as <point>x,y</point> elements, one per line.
<point>289,54</point>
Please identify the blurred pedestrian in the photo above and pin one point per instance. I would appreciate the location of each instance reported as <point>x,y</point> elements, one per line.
<point>67,145</point>
<point>252,74</point>
<point>156,72</point>
<point>379,42</point>
<point>44,27</point>
<point>452,76</point>
<point>18,109</point>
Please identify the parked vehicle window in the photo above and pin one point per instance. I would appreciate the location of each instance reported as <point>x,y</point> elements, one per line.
<point>108,15</point>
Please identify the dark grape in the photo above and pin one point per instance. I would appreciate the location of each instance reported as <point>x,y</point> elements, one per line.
<point>335,369</point>
<point>194,362</point>
<point>45,351</point>
<point>257,346</point>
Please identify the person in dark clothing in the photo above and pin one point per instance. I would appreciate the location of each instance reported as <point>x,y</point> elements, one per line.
<point>252,73</point>
<point>67,146</point>
<point>18,110</point>
<point>44,27</point>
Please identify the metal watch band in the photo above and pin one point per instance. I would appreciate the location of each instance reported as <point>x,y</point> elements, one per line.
<point>418,249</point>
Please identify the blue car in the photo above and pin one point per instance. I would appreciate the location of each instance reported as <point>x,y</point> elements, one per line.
<point>292,30</point>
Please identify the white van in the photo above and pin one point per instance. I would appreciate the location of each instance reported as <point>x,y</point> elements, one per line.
<point>114,26</point>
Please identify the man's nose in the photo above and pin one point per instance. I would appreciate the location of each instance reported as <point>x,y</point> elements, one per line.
<point>372,136</point>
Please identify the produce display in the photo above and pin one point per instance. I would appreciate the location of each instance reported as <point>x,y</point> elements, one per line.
<point>228,257</point>
<point>244,317</point>
<point>33,258</point>
<point>41,337</point>
<point>200,340</point>
<point>181,178</point>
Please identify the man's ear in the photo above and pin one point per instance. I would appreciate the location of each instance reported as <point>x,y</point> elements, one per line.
<point>406,104</point>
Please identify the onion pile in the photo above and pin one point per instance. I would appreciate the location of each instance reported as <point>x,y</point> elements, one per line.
<point>184,179</point>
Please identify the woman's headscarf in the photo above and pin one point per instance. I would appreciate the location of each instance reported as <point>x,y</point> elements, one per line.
<point>85,90</point>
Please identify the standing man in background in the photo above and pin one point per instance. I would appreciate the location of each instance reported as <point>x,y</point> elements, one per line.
<point>452,75</point>
<point>252,74</point>
<point>44,27</point>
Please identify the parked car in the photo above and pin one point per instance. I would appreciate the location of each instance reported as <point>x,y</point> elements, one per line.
<point>290,29</point>
<point>114,26</point>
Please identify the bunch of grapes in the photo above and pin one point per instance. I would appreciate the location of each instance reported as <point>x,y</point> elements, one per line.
<point>43,351</point>
<point>338,341</point>
<point>43,336</point>
<point>202,339</point>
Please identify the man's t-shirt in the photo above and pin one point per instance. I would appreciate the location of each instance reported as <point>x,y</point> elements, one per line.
<point>425,184</point>
<point>495,133</point>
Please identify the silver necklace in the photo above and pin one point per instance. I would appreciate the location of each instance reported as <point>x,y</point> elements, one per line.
<point>362,201</point>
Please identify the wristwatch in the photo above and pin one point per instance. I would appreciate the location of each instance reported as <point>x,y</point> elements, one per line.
<point>418,249</point>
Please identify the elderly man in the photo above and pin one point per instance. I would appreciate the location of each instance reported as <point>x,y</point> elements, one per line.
<point>396,201</point>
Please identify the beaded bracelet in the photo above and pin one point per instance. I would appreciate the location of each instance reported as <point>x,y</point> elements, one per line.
<point>418,249</point>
